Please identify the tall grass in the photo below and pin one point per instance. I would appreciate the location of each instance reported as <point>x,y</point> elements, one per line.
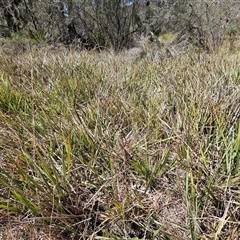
<point>94,146</point>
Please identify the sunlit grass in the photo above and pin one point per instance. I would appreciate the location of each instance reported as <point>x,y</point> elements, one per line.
<point>93,146</point>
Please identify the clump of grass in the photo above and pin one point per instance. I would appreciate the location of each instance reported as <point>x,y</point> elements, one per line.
<point>93,147</point>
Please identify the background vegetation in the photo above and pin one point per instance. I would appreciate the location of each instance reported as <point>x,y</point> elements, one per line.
<point>139,143</point>
<point>116,23</point>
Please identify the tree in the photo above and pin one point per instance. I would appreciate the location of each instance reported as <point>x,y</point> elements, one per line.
<point>109,22</point>
<point>12,15</point>
<point>115,23</point>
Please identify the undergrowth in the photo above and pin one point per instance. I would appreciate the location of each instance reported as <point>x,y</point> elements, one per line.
<point>93,146</point>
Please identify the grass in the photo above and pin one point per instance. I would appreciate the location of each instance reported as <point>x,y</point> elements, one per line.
<point>96,146</point>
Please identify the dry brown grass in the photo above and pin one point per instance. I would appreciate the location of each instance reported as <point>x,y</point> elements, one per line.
<point>100,146</point>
